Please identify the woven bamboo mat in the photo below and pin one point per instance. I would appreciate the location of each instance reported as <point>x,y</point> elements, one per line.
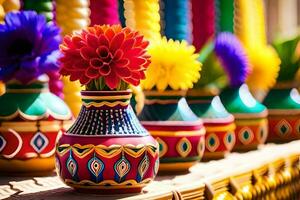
<point>186,186</point>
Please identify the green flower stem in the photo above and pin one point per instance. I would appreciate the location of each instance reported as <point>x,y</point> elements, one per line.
<point>99,85</point>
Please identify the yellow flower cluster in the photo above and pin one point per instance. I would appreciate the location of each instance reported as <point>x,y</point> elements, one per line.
<point>173,64</point>
<point>250,28</point>
<point>265,62</point>
<point>72,15</point>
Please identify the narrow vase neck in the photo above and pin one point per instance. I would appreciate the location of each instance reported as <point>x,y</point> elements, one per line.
<point>106,99</point>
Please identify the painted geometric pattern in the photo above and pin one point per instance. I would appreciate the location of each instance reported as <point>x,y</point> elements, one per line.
<point>297,127</point>
<point>184,147</point>
<point>283,128</point>
<point>163,147</point>
<point>143,168</point>
<point>2,143</point>
<point>246,135</point>
<point>107,151</point>
<point>229,140</point>
<point>112,122</point>
<point>72,165</point>
<point>212,142</point>
<point>201,146</point>
<point>96,166</point>
<point>121,167</point>
<point>262,133</point>
<point>39,142</point>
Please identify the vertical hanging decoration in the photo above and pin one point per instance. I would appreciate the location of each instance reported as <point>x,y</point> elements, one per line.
<point>104,12</point>
<point>176,19</point>
<point>5,7</point>
<point>144,17</point>
<point>224,15</point>
<point>121,13</point>
<point>249,26</point>
<point>72,15</point>
<point>47,7</point>
<point>203,20</point>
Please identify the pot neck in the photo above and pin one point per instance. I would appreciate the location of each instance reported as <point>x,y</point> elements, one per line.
<point>106,99</point>
<point>167,95</point>
<point>35,87</point>
<point>203,93</point>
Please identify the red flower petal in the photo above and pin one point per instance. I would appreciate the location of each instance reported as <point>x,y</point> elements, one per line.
<point>118,55</point>
<point>135,52</point>
<point>112,80</point>
<point>122,63</point>
<point>138,61</point>
<point>138,40</point>
<point>80,64</point>
<point>96,62</point>
<point>116,42</point>
<point>127,44</point>
<point>105,69</point>
<point>109,33</point>
<point>77,41</point>
<point>102,52</point>
<point>87,53</point>
<point>92,41</point>
<point>132,81</point>
<point>92,73</point>
<point>84,80</point>
<point>144,44</point>
<point>76,75</point>
<point>123,72</point>
<point>103,41</point>
<point>142,75</point>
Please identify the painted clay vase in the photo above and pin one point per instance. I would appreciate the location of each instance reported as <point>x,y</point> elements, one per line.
<point>31,120</point>
<point>250,117</point>
<point>283,104</point>
<point>218,123</point>
<point>179,132</point>
<point>107,150</point>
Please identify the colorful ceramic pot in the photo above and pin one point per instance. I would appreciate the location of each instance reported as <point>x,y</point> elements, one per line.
<point>250,117</point>
<point>219,124</point>
<point>107,150</point>
<point>179,132</point>
<point>31,119</point>
<point>284,114</point>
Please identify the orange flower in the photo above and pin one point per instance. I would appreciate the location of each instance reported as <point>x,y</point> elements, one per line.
<point>107,52</point>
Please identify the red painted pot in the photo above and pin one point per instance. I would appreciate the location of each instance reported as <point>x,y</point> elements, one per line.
<point>107,150</point>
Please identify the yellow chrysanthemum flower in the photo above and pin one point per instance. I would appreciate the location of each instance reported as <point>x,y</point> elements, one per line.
<point>265,67</point>
<point>174,64</point>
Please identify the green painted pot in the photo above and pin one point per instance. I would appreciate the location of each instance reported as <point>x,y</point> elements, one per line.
<point>250,117</point>
<point>31,120</point>
<point>283,104</point>
<point>219,124</point>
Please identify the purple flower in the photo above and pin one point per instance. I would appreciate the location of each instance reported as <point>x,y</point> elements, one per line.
<point>233,58</point>
<point>29,46</point>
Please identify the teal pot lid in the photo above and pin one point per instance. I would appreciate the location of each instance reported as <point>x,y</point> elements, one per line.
<point>283,98</point>
<point>209,108</point>
<point>240,102</point>
<point>32,102</point>
<point>165,106</point>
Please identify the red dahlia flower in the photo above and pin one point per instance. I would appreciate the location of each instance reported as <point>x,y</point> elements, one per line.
<point>105,54</point>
